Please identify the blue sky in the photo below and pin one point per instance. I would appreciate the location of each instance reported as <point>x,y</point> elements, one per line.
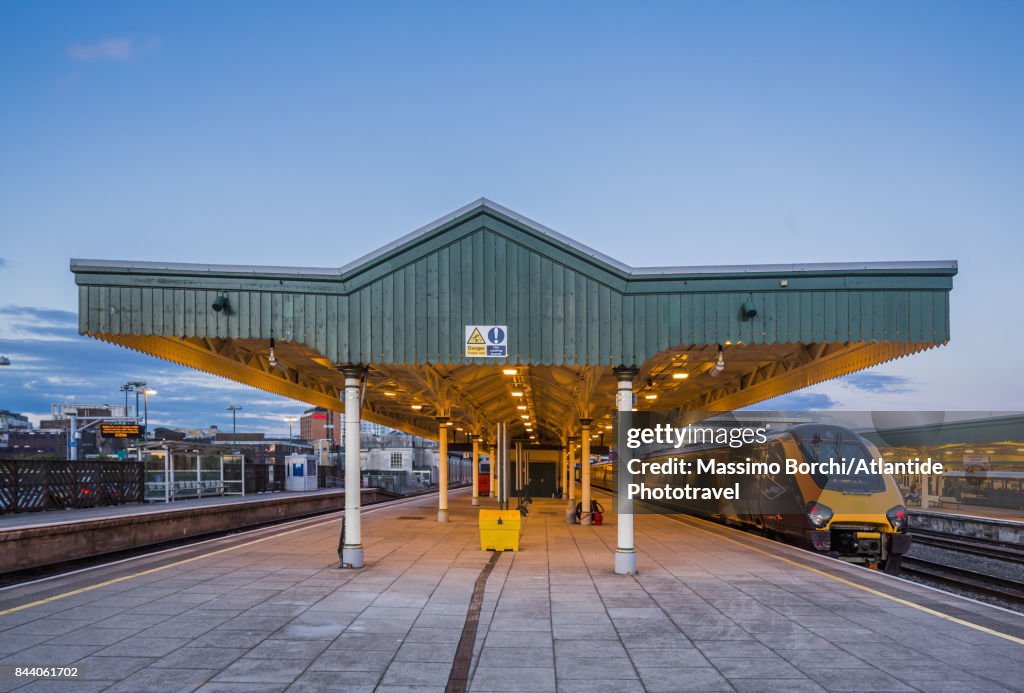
<point>658,133</point>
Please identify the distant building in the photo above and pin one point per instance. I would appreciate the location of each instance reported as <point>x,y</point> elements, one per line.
<point>61,414</point>
<point>397,452</point>
<point>247,437</point>
<point>25,443</point>
<point>323,424</point>
<point>64,410</point>
<point>161,433</point>
<point>90,443</point>
<point>12,421</point>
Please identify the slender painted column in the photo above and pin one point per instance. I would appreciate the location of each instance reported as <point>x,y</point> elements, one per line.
<point>572,474</point>
<point>494,465</point>
<point>476,470</point>
<point>352,544</point>
<point>442,469</point>
<point>586,517</point>
<point>563,475</point>
<point>625,554</point>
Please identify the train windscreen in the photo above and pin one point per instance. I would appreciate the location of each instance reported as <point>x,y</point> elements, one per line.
<point>826,444</point>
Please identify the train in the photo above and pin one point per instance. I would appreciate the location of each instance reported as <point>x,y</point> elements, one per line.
<point>858,518</point>
<point>994,489</point>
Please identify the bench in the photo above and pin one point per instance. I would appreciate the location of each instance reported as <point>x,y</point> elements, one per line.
<point>943,501</point>
<point>212,488</point>
<point>154,491</point>
<point>186,489</point>
<point>196,489</point>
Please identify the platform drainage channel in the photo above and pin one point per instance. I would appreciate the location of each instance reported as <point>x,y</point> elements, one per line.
<point>458,678</point>
<point>411,517</point>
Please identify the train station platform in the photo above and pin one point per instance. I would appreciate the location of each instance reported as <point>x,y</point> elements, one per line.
<point>710,610</point>
<point>982,511</point>
<point>33,539</point>
<point>54,518</point>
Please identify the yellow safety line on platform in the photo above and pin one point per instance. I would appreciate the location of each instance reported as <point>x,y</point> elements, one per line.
<point>877,593</point>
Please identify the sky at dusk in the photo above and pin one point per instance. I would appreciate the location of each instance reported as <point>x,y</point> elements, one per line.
<point>679,133</point>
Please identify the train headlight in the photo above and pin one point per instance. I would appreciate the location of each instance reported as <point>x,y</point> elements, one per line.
<point>819,514</point>
<point>898,518</point>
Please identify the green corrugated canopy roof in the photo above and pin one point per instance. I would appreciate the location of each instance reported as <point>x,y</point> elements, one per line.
<point>572,315</point>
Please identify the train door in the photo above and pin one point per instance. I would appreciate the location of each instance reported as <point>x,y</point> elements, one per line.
<point>778,496</point>
<point>737,510</point>
<point>708,479</point>
<point>484,475</point>
<point>749,504</point>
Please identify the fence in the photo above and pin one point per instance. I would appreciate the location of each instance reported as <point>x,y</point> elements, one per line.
<point>259,478</point>
<point>31,485</point>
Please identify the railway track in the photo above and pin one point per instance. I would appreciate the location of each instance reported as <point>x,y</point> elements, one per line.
<point>965,580</point>
<point>977,547</point>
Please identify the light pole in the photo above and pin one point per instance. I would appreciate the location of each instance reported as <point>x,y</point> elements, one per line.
<point>234,427</point>
<point>140,385</point>
<point>126,388</point>
<point>290,420</point>
<point>132,386</point>
<point>146,392</point>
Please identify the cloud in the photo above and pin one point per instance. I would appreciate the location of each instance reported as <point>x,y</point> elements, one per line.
<point>25,322</point>
<point>51,363</point>
<point>3,263</point>
<point>120,49</point>
<point>797,401</point>
<point>876,382</point>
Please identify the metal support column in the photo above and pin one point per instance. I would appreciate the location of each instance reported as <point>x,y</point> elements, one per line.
<point>499,472</point>
<point>476,470</point>
<point>524,464</point>
<point>563,475</point>
<point>493,490</point>
<point>586,516</point>
<point>572,474</point>
<point>504,468</point>
<point>442,469</point>
<point>73,434</point>
<point>352,539</point>
<point>625,554</point>
<point>520,471</point>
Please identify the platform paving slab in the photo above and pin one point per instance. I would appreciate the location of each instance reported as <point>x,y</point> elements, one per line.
<point>704,614</point>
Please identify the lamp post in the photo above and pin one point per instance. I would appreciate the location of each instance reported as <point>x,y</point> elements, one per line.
<point>290,420</point>
<point>126,388</point>
<point>234,427</point>
<point>136,387</point>
<point>146,392</point>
